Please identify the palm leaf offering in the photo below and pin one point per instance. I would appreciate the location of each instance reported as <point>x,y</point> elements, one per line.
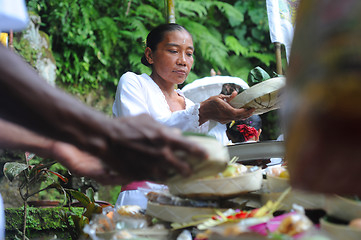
<point>264,96</point>
<point>252,217</point>
<point>218,158</point>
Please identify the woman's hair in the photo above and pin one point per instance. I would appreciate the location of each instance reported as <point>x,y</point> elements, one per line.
<point>157,35</point>
<point>238,132</point>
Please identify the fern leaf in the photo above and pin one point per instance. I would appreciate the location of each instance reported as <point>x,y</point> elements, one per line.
<point>239,66</point>
<point>140,31</point>
<point>266,58</point>
<point>150,12</point>
<point>233,44</point>
<point>191,9</point>
<point>235,17</point>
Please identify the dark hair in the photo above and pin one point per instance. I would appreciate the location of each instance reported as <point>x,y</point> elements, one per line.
<point>157,35</point>
<point>228,88</point>
<point>234,134</point>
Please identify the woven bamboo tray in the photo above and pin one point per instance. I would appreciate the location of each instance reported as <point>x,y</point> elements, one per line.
<point>263,96</point>
<point>218,188</point>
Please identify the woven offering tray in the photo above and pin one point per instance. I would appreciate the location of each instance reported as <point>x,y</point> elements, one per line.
<point>263,96</point>
<point>214,188</point>
<point>216,162</point>
<point>177,214</point>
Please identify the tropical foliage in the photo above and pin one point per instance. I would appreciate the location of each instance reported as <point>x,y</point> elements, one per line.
<point>95,42</point>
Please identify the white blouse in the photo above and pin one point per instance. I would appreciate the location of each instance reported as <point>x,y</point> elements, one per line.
<point>137,94</point>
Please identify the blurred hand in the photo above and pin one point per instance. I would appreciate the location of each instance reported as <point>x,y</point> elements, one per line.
<point>143,149</point>
<point>83,164</point>
<point>218,108</point>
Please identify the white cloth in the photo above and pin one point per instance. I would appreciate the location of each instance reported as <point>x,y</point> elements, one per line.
<point>281,20</point>
<point>138,94</point>
<point>13,15</point>
<point>2,219</point>
<point>219,132</point>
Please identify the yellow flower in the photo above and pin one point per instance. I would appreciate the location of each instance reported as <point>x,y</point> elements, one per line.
<point>4,38</point>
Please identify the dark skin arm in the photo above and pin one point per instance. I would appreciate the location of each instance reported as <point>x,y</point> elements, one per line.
<point>80,163</point>
<point>136,148</point>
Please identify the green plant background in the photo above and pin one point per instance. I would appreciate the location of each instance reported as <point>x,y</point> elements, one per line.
<point>95,42</point>
<point>41,222</point>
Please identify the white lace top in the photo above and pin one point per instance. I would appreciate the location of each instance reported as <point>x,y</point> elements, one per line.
<point>138,94</point>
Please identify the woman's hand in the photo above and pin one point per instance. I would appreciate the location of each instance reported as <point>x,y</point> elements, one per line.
<point>218,108</point>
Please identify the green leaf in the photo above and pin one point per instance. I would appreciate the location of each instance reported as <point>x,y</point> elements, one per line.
<point>64,179</point>
<point>29,156</point>
<point>235,17</point>
<point>233,44</point>
<point>257,75</point>
<point>265,58</point>
<point>149,11</point>
<point>14,169</point>
<point>79,222</point>
<point>90,193</point>
<point>239,66</point>
<point>92,208</point>
<point>81,197</point>
<point>191,9</point>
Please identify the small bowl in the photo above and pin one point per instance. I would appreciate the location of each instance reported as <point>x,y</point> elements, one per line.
<point>277,184</point>
<point>340,231</point>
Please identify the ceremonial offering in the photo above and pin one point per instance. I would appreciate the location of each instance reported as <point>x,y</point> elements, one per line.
<point>305,199</point>
<point>218,157</point>
<point>264,96</point>
<point>278,179</point>
<point>225,187</point>
<point>178,214</point>
<point>171,208</point>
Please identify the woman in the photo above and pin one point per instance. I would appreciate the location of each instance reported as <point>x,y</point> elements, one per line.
<point>169,53</point>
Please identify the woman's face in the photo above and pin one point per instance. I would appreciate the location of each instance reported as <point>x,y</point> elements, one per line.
<point>173,58</point>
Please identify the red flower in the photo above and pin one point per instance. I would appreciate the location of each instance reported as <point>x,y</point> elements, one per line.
<point>247,131</point>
